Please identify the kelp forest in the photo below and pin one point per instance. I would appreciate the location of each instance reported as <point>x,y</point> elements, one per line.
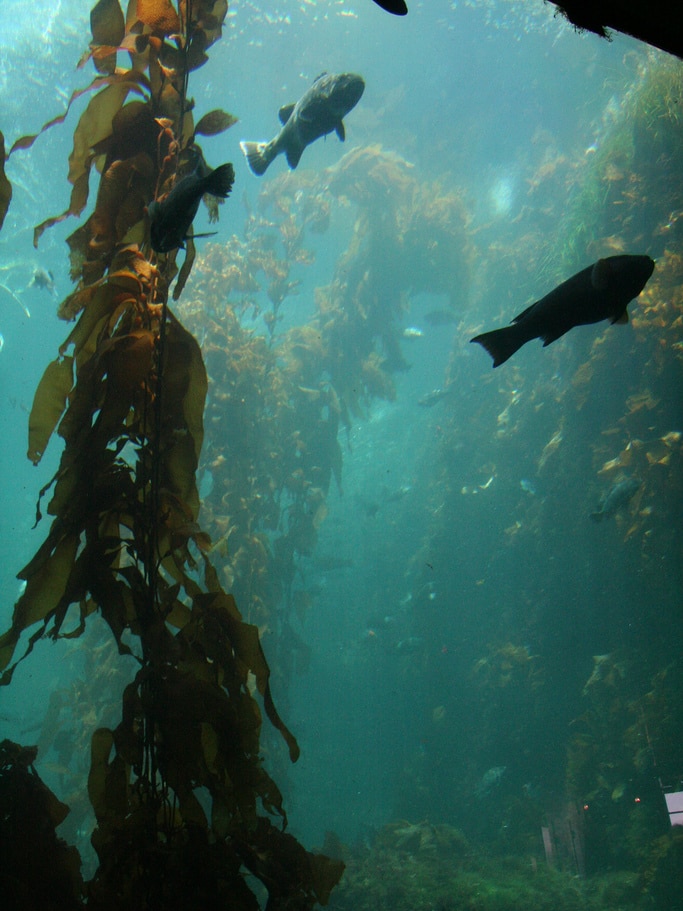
<point>126,394</point>
<point>206,426</point>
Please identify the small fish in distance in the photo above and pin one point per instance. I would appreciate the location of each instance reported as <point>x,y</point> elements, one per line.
<point>616,498</point>
<point>43,278</point>
<point>602,291</point>
<point>396,7</point>
<point>319,111</point>
<point>171,218</point>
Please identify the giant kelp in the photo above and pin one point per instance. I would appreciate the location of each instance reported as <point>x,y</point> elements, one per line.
<point>182,802</point>
<point>5,185</point>
<point>559,431</point>
<point>283,386</point>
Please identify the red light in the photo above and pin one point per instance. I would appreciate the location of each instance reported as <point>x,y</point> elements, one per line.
<point>585,806</point>
<point>637,800</point>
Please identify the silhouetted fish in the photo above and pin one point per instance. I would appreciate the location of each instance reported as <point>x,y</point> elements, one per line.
<point>397,7</point>
<point>318,112</point>
<point>171,218</point>
<point>619,495</point>
<point>602,291</point>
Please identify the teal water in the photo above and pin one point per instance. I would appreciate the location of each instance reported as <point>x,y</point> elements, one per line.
<point>485,656</point>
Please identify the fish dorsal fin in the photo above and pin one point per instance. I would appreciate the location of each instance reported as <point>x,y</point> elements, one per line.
<point>622,318</point>
<point>285,113</point>
<point>600,275</point>
<point>293,157</point>
<point>340,131</point>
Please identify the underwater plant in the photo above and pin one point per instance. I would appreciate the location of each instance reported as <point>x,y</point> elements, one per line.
<point>182,802</point>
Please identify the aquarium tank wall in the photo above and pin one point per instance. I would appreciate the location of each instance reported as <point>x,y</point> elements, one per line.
<point>304,602</point>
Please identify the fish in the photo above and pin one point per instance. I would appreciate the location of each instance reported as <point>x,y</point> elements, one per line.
<point>489,781</point>
<point>429,399</point>
<point>412,332</point>
<point>43,278</point>
<point>602,291</point>
<point>618,496</point>
<point>395,7</point>
<point>170,218</point>
<point>319,111</point>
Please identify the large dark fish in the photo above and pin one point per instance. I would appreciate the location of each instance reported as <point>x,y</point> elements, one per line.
<point>318,112</point>
<point>397,7</point>
<point>171,218</point>
<point>618,496</point>
<point>602,291</point>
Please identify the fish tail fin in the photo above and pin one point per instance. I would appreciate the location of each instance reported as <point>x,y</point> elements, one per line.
<point>596,516</point>
<point>220,181</point>
<point>257,156</point>
<point>501,344</point>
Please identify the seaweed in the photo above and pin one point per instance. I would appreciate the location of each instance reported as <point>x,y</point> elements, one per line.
<point>182,801</point>
<point>5,185</point>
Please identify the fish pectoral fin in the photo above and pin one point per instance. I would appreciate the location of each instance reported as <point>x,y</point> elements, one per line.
<point>340,131</point>
<point>293,157</point>
<point>622,318</point>
<point>285,113</point>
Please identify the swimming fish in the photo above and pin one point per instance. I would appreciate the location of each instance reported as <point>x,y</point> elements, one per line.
<point>602,291</point>
<point>43,278</point>
<point>396,7</point>
<point>318,112</point>
<point>171,218</point>
<point>489,781</point>
<point>618,496</point>
<point>429,399</point>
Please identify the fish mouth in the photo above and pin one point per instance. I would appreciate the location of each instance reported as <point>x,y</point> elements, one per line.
<point>349,90</point>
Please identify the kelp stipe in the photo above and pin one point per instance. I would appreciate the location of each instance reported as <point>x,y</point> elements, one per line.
<point>182,802</point>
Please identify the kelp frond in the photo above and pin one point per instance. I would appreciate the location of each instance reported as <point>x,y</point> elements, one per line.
<point>178,788</point>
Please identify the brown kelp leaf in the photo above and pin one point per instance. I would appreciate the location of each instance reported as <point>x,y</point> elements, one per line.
<point>107,781</point>
<point>94,127</point>
<point>25,142</point>
<point>215,122</point>
<point>129,361</point>
<point>108,29</point>
<point>185,388</point>
<point>49,403</point>
<point>159,15</point>
<point>79,197</point>
<point>186,268</point>
<point>286,868</point>
<point>96,123</point>
<point>247,645</point>
<point>73,303</point>
<point>107,24</point>
<point>46,581</point>
<point>208,16</point>
<point>5,185</point>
